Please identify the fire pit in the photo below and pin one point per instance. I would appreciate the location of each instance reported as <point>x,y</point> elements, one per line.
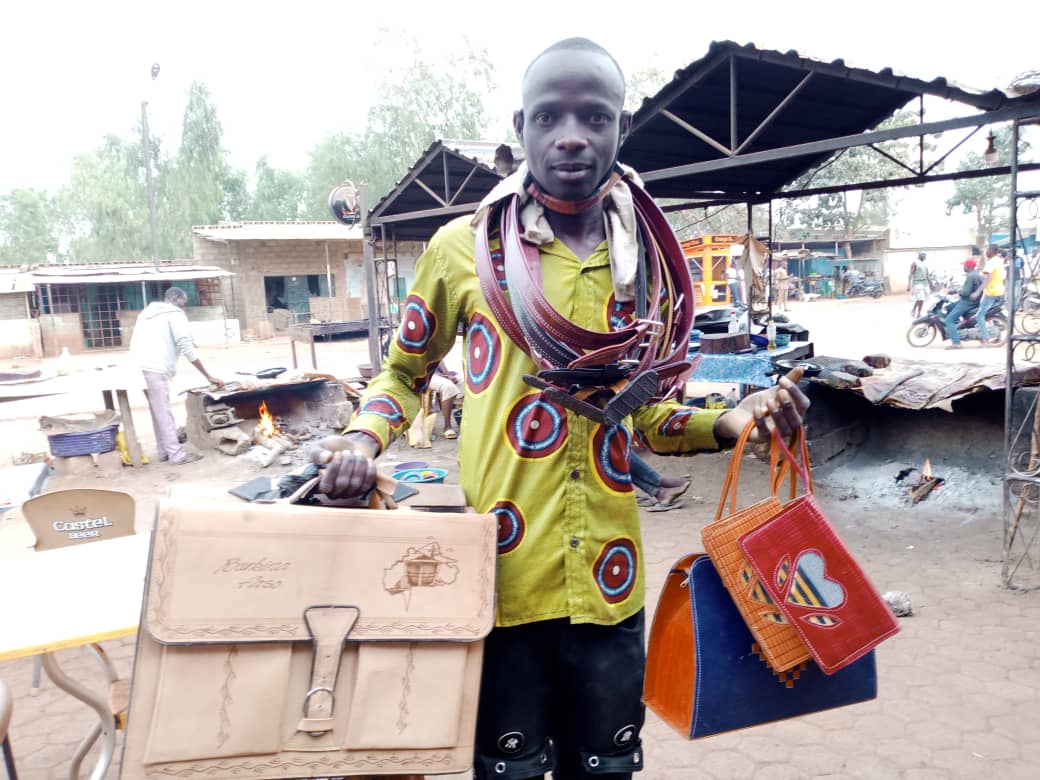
<point>278,415</point>
<point>919,488</point>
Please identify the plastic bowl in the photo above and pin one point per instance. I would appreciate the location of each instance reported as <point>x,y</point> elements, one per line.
<point>411,464</point>
<point>428,475</point>
<point>783,339</point>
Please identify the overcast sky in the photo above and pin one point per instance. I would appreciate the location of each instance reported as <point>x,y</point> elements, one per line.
<point>284,75</point>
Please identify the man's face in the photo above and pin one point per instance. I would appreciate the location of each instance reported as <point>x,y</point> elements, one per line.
<point>572,123</point>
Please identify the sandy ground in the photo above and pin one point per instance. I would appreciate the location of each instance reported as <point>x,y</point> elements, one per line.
<point>960,686</point>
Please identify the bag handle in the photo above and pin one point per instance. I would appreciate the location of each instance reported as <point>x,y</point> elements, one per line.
<point>779,467</point>
<point>800,462</point>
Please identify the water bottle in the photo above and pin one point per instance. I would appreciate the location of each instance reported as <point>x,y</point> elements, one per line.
<point>771,334</point>
<point>734,326</point>
<point>64,362</point>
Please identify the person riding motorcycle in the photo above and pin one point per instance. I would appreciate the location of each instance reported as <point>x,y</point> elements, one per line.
<point>970,292</point>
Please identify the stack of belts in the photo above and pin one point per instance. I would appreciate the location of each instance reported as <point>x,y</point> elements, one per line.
<point>601,375</point>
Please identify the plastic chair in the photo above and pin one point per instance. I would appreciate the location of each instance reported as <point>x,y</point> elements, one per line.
<point>6,705</point>
<point>80,516</point>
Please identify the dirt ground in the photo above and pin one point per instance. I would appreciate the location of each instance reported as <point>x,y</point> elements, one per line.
<point>959,686</point>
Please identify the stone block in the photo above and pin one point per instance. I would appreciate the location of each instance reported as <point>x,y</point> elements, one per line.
<point>99,464</point>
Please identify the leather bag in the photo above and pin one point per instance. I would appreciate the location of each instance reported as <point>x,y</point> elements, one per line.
<point>815,581</point>
<point>777,639</point>
<point>705,673</point>
<point>284,640</point>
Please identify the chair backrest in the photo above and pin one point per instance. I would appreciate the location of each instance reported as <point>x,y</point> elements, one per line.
<point>78,516</point>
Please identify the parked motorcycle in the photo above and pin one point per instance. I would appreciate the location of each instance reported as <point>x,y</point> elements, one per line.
<point>924,329</point>
<point>854,283</point>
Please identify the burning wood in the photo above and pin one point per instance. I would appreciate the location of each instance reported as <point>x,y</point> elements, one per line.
<point>267,434</point>
<point>920,489</point>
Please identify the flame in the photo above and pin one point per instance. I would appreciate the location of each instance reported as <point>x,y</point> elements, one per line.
<point>267,426</point>
<point>926,472</point>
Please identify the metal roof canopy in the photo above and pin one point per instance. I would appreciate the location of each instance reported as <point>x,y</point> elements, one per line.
<point>736,126</point>
<point>443,183</point>
<point>106,274</point>
<point>741,123</point>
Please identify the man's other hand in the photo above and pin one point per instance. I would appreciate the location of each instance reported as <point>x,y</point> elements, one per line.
<point>782,406</point>
<point>349,465</point>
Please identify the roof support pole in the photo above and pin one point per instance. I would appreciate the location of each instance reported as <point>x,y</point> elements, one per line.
<point>732,104</point>
<point>375,356</point>
<point>462,186</point>
<point>444,170</point>
<point>765,123</point>
<point>699,133</point>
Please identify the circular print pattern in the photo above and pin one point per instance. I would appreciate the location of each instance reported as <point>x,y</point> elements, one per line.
<point>612,449</point>
<point>384,406</point>
<point>675,423</point>
<point>511,526</point>
<point>483,354</point>
<point>417,326</point>
<point>615,570</point>
<point>535,427</point>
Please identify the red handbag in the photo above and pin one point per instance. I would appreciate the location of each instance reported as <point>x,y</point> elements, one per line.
<point>815,582</point>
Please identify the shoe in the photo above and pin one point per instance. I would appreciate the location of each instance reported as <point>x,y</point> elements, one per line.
<point>451,434</point>
<point>190,457</point>
<point>953,346</point>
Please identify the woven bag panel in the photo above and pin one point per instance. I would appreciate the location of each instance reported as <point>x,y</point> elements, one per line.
<point>781,645</point>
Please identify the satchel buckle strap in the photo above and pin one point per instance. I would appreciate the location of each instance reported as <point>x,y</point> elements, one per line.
<point>329,626</point>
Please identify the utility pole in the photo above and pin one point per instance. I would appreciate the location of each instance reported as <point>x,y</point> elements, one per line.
<point>147,159</point>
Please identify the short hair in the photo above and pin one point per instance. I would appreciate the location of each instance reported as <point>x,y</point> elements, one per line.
<point>921,255</point>
<point>580,44</point>
<point>174,294</point>
<point>993,248</point>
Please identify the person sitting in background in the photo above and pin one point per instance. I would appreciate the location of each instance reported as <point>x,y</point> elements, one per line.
<point>664,492</point>
<point>445,384</point>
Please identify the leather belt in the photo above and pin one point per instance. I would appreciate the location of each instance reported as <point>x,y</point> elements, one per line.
<point>579,367</point>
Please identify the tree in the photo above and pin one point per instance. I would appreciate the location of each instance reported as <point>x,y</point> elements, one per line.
<point>989,197</point>
<point>277,194</point>
<point>27,232</point>
<point>848,213</point>
<point>198,187</point>
<point>420,103</point>
<point>643,83</point>
<point>103,210</point>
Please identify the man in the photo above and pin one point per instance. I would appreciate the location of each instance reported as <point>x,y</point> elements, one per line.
<point>992,289</point>
<point>780,281</point>
<point>919,283</point>
<point>161,336</point>
<point>563,669</point>
<point>969,293</point>
<point>733,280</point>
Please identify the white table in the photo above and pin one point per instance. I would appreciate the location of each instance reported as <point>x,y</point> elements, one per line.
<point>69,597</point>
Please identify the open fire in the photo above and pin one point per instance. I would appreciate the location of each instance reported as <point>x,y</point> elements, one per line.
<point>919,489</point>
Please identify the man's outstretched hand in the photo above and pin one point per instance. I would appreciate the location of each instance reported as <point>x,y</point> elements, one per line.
<point>349,465</point>
<point>782,406</point>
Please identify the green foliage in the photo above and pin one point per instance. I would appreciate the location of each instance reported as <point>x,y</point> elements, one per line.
<point>277,194</point>
<point>27,232</point>
<point>850,213</point>
<point>104,207</point>
<point>199,187</point>
<point>643,83</point>
<point>419,104</point>
<point>989,197</point>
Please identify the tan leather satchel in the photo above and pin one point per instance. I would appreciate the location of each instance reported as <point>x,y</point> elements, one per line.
<point>284,641</point>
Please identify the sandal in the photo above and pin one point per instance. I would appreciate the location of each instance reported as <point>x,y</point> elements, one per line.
<point>657,506</point>
<point>451,434</point>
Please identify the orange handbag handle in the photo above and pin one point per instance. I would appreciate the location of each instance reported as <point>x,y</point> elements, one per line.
<point>780,466</point>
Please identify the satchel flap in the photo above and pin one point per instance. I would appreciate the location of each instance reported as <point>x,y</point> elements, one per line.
<point>227,573</point>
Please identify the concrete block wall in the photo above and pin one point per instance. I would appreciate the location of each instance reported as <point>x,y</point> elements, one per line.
<point>251,261</point>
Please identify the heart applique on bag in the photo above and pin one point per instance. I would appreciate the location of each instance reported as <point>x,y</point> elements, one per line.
<point>811,587</point>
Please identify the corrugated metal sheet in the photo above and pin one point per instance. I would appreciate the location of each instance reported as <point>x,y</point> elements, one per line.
<point>279,231</point>
<point>99,274</point>
<point>16,282</point>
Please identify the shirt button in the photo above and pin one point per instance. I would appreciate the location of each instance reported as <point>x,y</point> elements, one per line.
<point>575,474</point>
<point>575,542</point>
